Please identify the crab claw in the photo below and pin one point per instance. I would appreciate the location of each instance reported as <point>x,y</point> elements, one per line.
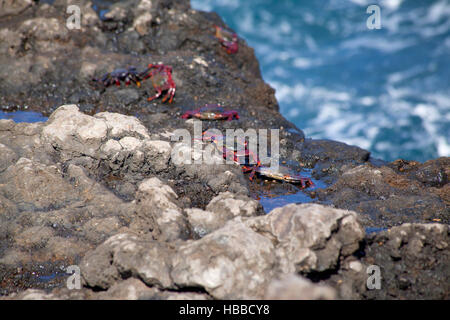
<point>252,174</point>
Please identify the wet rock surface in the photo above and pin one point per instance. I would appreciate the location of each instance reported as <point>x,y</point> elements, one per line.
<point>97,185</point>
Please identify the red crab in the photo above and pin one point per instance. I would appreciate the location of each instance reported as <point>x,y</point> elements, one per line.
<point>211,112</point>
<point>227,39</point>
<point>284,174</point>
<point>250,161</point>
<point>161,76</point>
<point>127,75</point>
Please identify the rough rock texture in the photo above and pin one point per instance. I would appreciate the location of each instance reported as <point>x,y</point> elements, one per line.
<point>309,237</point>
<point>390,198</point>
<point>97,184</point>
<point>241,260</point>
<point>86,179</point>
<point>413,261</point>
<point>294,287</point>
<point>123,256</point>
<point>231,263</point>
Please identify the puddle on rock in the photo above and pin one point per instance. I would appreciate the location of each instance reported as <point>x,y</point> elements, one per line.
<point>370,230</point>
<point>23,116</point>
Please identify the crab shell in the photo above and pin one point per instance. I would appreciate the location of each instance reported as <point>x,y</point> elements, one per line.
<point>211,115</point>
<point>127,75</point>
<point>282,174</point>
<point>227,39</point>
<point>161,77</point>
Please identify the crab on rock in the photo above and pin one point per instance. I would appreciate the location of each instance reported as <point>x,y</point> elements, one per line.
<point>227,39</point>
<point>127,75</point>
<point>211,112</point>
<point>239,152</point>
<point>161,76</point>
<point>283,174</point>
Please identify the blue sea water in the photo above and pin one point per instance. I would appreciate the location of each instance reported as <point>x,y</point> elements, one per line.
<point>386,90</point>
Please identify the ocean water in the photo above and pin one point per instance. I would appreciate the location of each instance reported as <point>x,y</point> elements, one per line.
<point>385,90</point>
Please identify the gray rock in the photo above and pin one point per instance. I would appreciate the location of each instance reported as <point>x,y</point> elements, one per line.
<point>36,236</point>
<point>34,186</point>
<point>233,262</point>
<point>386,197</point>
<point>228,206</point>
<point>413,261</point>
<point>157,153</point>
<point>222,208</point>
<point>123,256</point>
<point>203,222</point>
<point>73,133</point>
<point>310,237</point>
<point>56,294</point>
<point>294,287</point>
<point>120,126</point>
<point>14,7</point>
<point>129,289</point>
<point>157,209</point>
<point>45,29</point>
<point>98,229</point>
<point>7,157</point>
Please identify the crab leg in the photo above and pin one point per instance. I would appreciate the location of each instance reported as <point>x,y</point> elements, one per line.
<point>171,93</point>
<point>157,95</point>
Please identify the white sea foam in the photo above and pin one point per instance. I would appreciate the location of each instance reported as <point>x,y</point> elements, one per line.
<point>399,105</point>
<point>381,44</point>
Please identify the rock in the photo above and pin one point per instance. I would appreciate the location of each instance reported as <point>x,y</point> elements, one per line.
<point>117,12</point>
<point>34,186</point>
<point>7,157</point>
<point>45,29</point>
<point>14,7</point>
<point>203,222</point>
<point>294,287</point>
<point>107,144</point>
<point>413,261</point>
<point>35,294</point>
<point>129,289</point>
<point>123,256</point>
<point>325,150</point>
<point>7,124</point>
<point>310,237</point>
<point>74,133</point>
<point>141,23</point>
<point>98,229</point>
<point>159,195</point>
<point>158,154</point>
<point>134,289</point>
<point>233,262</point>
<point>432,173</point>
<point>228,205</point>
<point>63,249</point>
<point>120,126</point>
<point>221,208</point>
<point>36,236</point>
<point>386,197</point>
